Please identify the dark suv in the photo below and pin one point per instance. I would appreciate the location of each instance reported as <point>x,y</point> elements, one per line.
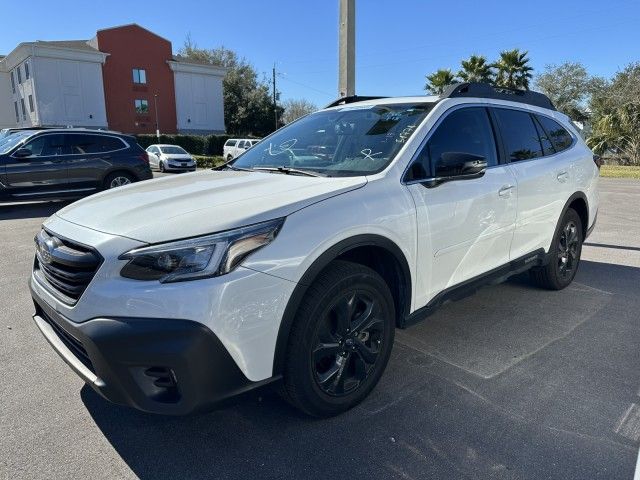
<point>67,163</point>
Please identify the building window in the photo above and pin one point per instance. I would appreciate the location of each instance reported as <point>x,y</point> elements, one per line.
<point>19,75</point>
<point>13,83</point>
<point>15,105</point>
<point>26,71</point>
<point>139,75</point>
<point>142,106</point>
<point>31,103</point>
<point>24,110</point>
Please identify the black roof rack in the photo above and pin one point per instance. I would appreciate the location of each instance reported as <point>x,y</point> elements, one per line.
<point>351,99</point>
<point>485,90</point>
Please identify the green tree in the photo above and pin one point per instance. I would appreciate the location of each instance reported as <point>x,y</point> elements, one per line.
<point>294,109</point>
<point>248,106</point>
<point>513,70</point>
<point>476,69</point>
<point>569,86</point>
<point>438,81</point>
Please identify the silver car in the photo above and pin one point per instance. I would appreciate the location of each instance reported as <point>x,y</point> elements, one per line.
<point>170,158</point>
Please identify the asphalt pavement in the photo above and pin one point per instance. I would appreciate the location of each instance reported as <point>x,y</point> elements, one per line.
<point>513,382</point>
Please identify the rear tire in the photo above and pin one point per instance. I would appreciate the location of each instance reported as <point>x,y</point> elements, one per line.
<point>340,341</point>
<point>118,179</point>
<point>564,254</point>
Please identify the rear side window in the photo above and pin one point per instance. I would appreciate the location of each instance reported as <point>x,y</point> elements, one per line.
<point>519,134</point>
<point>558,135</point>
<point>47,146</point>
<point>467,130</point>
<point>82,144</point>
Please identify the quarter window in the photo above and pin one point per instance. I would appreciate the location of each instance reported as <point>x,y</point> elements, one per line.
<point>519,134</point>
<point>467,130</point>
<point>558,135</point>
<point>142,106</point>
<point>139,75</point>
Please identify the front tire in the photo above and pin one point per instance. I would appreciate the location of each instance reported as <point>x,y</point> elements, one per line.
<point>118,179</point>
<point>341,340</point>
<point>564,254</point>
<point>162,169</point>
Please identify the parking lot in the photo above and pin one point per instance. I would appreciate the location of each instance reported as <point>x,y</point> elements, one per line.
<point>511,383</point>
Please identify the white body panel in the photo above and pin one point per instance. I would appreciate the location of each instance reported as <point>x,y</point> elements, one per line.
<point>447,234</point>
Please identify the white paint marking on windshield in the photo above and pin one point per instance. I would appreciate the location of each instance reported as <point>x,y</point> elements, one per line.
<point>367,154</point>
<point>283,147</point>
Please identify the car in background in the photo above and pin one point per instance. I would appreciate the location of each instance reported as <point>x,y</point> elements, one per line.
<point>170,158</point>
<point>235,146</point>
<point>68,163</point>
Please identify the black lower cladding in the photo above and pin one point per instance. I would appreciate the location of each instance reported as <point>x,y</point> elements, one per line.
<point>165,366</point>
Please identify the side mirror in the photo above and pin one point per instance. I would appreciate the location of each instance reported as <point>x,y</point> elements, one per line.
<point>457,166</point>
<point>22,153</point>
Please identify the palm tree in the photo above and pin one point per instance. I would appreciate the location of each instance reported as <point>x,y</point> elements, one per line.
<point>438,81</point>
<point>476,69</point>
<point>513,69</point>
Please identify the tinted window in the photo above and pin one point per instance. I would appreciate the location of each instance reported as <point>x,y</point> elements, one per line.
<point>81,144</point>
<point>46,146</point>
<point>466,130</point>
<point>231,143</point>
<point>519,134</point>
<point>547,146</point>
<point>560,138</point>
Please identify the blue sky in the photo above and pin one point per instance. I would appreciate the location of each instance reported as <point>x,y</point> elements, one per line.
<point>398,41</point>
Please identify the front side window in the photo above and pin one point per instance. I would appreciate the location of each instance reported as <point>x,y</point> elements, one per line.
<point>139,75</point>
<point>467,130</point>
<point>142,106</point>
<point>46,146</point>
<point>231,143</point>
<point>349,141</point>
<point>519,134</point>
<point>558,135</point>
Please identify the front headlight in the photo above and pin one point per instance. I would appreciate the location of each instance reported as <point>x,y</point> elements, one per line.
<point>200,257</point>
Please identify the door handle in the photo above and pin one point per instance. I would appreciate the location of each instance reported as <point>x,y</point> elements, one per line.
<point>505,191</point>
<point>562,176</point>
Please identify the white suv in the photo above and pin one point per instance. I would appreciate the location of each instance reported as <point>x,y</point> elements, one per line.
<point>235,146</point>
<point>295,263</point>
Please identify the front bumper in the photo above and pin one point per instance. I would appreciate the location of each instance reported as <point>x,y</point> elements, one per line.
<point>165,366</point>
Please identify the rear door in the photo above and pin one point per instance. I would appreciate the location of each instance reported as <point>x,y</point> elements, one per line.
<point>542,177</point>
<point>91,157</point>
<point>42,173</point>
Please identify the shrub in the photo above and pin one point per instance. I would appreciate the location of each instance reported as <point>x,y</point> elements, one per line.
<point>194,144</point>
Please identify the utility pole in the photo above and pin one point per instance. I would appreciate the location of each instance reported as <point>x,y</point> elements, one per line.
<point>155,106</point>
<point>275,105</point>
<point>347,49</point>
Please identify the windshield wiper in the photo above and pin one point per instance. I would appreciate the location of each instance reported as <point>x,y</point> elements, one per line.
<point>289,171</point>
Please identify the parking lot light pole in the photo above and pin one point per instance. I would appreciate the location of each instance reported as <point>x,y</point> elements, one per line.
<point>155,106</point>
<point>347,49</point>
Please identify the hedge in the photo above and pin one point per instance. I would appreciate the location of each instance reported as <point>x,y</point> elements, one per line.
<point>194,144</point>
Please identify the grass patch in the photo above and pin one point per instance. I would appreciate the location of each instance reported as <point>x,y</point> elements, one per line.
<point>205,161</point>
<point>620,171</point>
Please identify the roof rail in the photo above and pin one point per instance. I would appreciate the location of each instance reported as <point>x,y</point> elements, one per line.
<point>485,90</point>
<point>351,99</point>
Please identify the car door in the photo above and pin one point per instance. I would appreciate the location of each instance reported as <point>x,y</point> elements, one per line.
<point>541,177</point>
<point>41,173</point>
<point>90,159</point>
<point>465,226</point>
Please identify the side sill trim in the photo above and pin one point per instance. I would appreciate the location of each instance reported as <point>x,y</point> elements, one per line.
<point>469,287</point>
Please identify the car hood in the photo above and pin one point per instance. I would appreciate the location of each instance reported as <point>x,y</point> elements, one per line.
<point>199,203</point>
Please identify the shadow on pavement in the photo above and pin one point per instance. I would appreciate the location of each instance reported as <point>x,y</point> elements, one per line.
<point>549,413</point>
<point>16,211</point>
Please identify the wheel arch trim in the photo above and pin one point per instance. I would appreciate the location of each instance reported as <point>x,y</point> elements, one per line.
<point>330,254</point>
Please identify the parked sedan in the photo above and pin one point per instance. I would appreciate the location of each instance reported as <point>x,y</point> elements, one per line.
<point>170,158</point>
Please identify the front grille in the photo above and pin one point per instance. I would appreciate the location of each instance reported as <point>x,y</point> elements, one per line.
<point>65,267</point>
<point>71,342</point>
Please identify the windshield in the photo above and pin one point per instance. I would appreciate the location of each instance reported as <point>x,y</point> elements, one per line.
<point>349,141</point>
<point>13,139</point>
<point>174,150</point>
